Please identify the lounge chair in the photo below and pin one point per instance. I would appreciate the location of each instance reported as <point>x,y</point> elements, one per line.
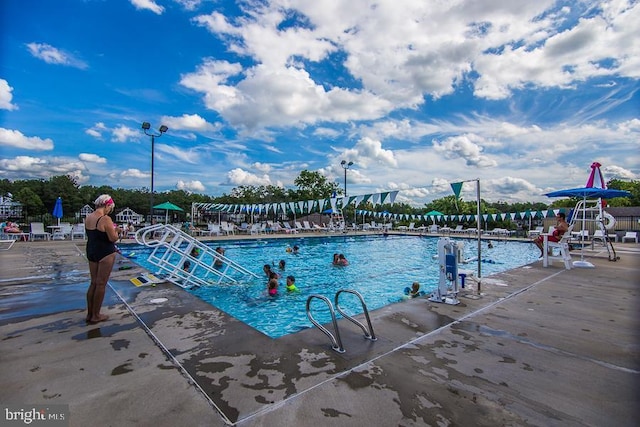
<point>299,226</point>
<point>212,229</point>
<point>433,228</point>
<point>630,235</point>
<point>5,244</point>
<point>78,231</point>
<point>459,229</point>
<point>404,227</point>
<point>536,232</point>
<point>276,227</point>
<point>598,235</point>
<point>37,230</point>
<point>227,227</point>
<point>63,232</point>
<point>318,227</point>
<point>255,229</point>
<point>288,229</point>
<point>306,226</point>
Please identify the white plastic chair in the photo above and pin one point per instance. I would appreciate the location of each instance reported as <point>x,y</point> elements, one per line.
<point>37,230</point>
<point>630,235</point>
<point>563,248</point>
<point>78,231</point>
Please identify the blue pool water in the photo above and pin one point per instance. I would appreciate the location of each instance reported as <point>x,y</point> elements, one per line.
<point>380,269</point>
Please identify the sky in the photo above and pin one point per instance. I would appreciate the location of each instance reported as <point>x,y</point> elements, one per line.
<point>522,95</point>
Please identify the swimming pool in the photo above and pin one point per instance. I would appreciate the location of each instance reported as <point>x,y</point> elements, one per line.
<point>380,268</point>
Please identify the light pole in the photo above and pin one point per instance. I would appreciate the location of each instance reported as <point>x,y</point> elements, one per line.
<point>345,166</point>
<point>162,129</point>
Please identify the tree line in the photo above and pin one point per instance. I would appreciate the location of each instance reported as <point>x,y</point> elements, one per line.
<point>38,197</point>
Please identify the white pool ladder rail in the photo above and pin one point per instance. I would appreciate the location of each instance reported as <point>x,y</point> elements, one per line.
<point>173,248</point>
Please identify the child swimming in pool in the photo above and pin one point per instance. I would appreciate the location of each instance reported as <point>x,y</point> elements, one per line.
<point>291,284</point>
<point>272,286</point>
<point>342,260</point>
<point>413,291</point>
<point>218,262</point>
<point>267,270</point>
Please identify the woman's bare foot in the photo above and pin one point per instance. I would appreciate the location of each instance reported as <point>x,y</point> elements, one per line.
<point>100,318</point>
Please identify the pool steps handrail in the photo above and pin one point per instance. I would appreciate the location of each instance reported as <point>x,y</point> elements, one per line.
<point>368,334</point>
<point>336,340</point>
<point>172,247</point>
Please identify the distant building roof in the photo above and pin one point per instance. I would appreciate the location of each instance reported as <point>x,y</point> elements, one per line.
<point>624,211</point>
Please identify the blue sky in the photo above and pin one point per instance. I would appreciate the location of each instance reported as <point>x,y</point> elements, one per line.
<point>524,95</point>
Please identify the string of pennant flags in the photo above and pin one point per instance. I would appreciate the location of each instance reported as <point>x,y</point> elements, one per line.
<point>333,204</point>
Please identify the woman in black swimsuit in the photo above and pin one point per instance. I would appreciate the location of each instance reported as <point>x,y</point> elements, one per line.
<point>101,253</point>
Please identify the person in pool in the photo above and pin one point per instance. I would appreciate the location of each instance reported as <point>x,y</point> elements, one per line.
<point>272,286</point>
<point>342,260</point>
<point>291,284</point>
<point>415,290</point>
<point>218,262</point>
<point>282,264</point>
<point>295,249</point>
<point>267,270</point>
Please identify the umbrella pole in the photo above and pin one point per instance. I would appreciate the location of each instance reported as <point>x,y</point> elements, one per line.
<point>582,263</point>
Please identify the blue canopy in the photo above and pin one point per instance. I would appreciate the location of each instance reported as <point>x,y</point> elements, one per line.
<point>590,192</point>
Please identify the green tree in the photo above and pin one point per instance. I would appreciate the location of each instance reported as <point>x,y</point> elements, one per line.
<point>314,185</point>
<point>631,186</point>
<point>31,202</point>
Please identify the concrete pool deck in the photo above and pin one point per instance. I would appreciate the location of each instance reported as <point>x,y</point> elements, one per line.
<point>540,346</point>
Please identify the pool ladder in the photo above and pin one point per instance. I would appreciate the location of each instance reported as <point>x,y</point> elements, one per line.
<point>173,247</point>
<point>336,341</point>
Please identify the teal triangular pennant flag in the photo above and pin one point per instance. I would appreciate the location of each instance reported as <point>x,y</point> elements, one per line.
<point>457,188</point>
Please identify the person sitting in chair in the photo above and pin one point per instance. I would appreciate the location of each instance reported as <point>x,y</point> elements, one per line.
<point>561,227</point>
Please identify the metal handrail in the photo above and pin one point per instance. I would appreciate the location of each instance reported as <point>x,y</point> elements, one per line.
<point>369,334</point>
<point>336,341</point>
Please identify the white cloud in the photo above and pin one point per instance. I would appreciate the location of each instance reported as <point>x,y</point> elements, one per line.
<point>238,176</point>
<point>134,173</point>
<point>617,172</point>
<point>178,154</point>
<point>189,5</point>
<point>434,48</point>
<point>91,158</point>
<point>6,96</point>
<point>466,147</point>
<point>262,167</point>
<point>278,97</point>
<point>52,55</point>
<point>124,133</point>
<point>148,5</point>
<point>191,122</point>
<point>15,138</point>
<point>96,130</point>
<point>194,186</point>
<point>368,151</point>
<point>26,167</point>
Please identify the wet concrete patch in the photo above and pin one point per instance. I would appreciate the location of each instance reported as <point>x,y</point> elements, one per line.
<point>24,301</point>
